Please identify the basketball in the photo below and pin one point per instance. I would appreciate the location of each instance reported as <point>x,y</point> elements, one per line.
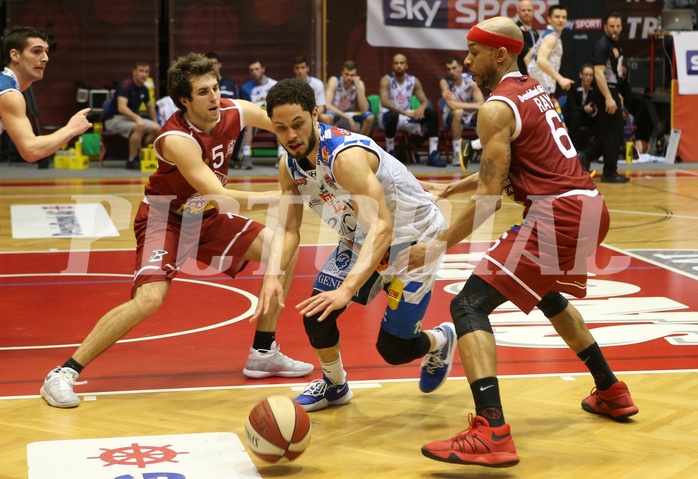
<point>277,427</point>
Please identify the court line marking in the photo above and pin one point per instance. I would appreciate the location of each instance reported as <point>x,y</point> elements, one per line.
<point>655,263</point>
<point>244,315</point>
<point>361,384</point>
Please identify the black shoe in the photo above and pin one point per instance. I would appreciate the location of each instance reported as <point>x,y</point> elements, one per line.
<point>614,178</point>
<point>134,164</point>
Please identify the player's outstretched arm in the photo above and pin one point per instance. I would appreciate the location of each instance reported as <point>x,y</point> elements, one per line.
<point>185,153</point>
<point>31,147</point>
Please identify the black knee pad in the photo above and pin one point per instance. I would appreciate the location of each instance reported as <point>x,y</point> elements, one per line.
<point>322,334</point>
<point>395,350</point>
<point>471,308</point>
<point>431,117</point>
<point>390,121</point>
<point>552,304</point>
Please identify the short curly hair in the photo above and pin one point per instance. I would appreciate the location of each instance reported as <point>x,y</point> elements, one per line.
<point>291,91</point>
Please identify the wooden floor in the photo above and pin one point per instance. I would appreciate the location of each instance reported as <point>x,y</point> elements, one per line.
<point>380,433</point>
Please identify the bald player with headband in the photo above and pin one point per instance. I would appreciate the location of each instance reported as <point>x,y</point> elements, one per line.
<point>528,155</point>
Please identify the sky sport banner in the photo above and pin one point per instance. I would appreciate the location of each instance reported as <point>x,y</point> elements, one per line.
<point>443,24</point>
<point>686,54</point>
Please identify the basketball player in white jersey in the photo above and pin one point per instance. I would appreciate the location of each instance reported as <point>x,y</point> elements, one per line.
<point>546,55</point>
<point>461,99</point>
<point>377,207</point>
<point>396,91</point>
<point>346,102</point>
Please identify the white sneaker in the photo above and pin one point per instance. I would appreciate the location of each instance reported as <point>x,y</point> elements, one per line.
<point>263,363</point>
<point>58,388</point>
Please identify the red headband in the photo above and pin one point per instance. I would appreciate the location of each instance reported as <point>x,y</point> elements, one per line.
<point>494,40</point>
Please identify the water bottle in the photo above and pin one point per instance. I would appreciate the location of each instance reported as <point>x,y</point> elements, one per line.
<point>660,25</point>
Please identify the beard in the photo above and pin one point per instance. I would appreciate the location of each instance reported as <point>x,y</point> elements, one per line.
<point>312,141</point>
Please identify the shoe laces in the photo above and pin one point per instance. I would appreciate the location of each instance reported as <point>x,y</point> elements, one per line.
<point>432,361</point>
<point>67,379</point>
<point>595,395</point>
<point>475,424</point>
<point>316,388</point>
<point>276,351</point>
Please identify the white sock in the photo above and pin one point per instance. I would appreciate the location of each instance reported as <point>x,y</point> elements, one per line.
<point>476,144</point>
<point>456,148</point>
<point>334,371</point>
<point>246,150</point>
<point>433,144</point>
<point>439,339</point>
<point>390,144</point>
<point>280,151</point>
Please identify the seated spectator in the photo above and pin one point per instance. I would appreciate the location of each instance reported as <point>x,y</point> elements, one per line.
<point>227,87</point>
<point>461,100</point>
<point>254,91</point>
<point>396,90</point>
<point>579,109</point>
<point>301,69</point>
<point>123,116</point>
<point>346,102</point>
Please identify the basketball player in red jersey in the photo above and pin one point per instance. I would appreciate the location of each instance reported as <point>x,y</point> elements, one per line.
<point>528,154</point>
<point>188,212</point>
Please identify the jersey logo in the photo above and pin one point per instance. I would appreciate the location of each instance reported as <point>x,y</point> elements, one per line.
<point>333,201</point>
<point>329,180</point>
<point>229,151</point>
<point>158,255</point>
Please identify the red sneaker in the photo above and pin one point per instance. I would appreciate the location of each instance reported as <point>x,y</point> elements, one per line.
<point>615,402</point>
<point>480,444</point>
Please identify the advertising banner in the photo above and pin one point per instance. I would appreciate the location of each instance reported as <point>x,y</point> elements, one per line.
<point>443,24</point>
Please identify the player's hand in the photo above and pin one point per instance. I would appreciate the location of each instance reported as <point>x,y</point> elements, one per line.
<point>271,288</point>
<point>611,105</point>
<point>440,191</point>
<point>417,114</point>
<point>325,302</point>
<point>566,83</point>
<point>78,124</point>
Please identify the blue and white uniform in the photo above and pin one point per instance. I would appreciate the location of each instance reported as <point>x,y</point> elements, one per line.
<point>401,96</point>
<point>464,94</point>
<point>8,82</point>
<point>555,60</point>
<point>257,93</point>
<point>415,218</point>
<point>346,100</point>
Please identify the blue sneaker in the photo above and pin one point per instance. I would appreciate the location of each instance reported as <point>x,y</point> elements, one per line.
<point>392,153</point>
<point>437,364</point>
<point>435,160</point>
<point>320,393</point>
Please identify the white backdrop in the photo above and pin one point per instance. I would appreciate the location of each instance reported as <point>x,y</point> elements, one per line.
<point>686,53</point>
